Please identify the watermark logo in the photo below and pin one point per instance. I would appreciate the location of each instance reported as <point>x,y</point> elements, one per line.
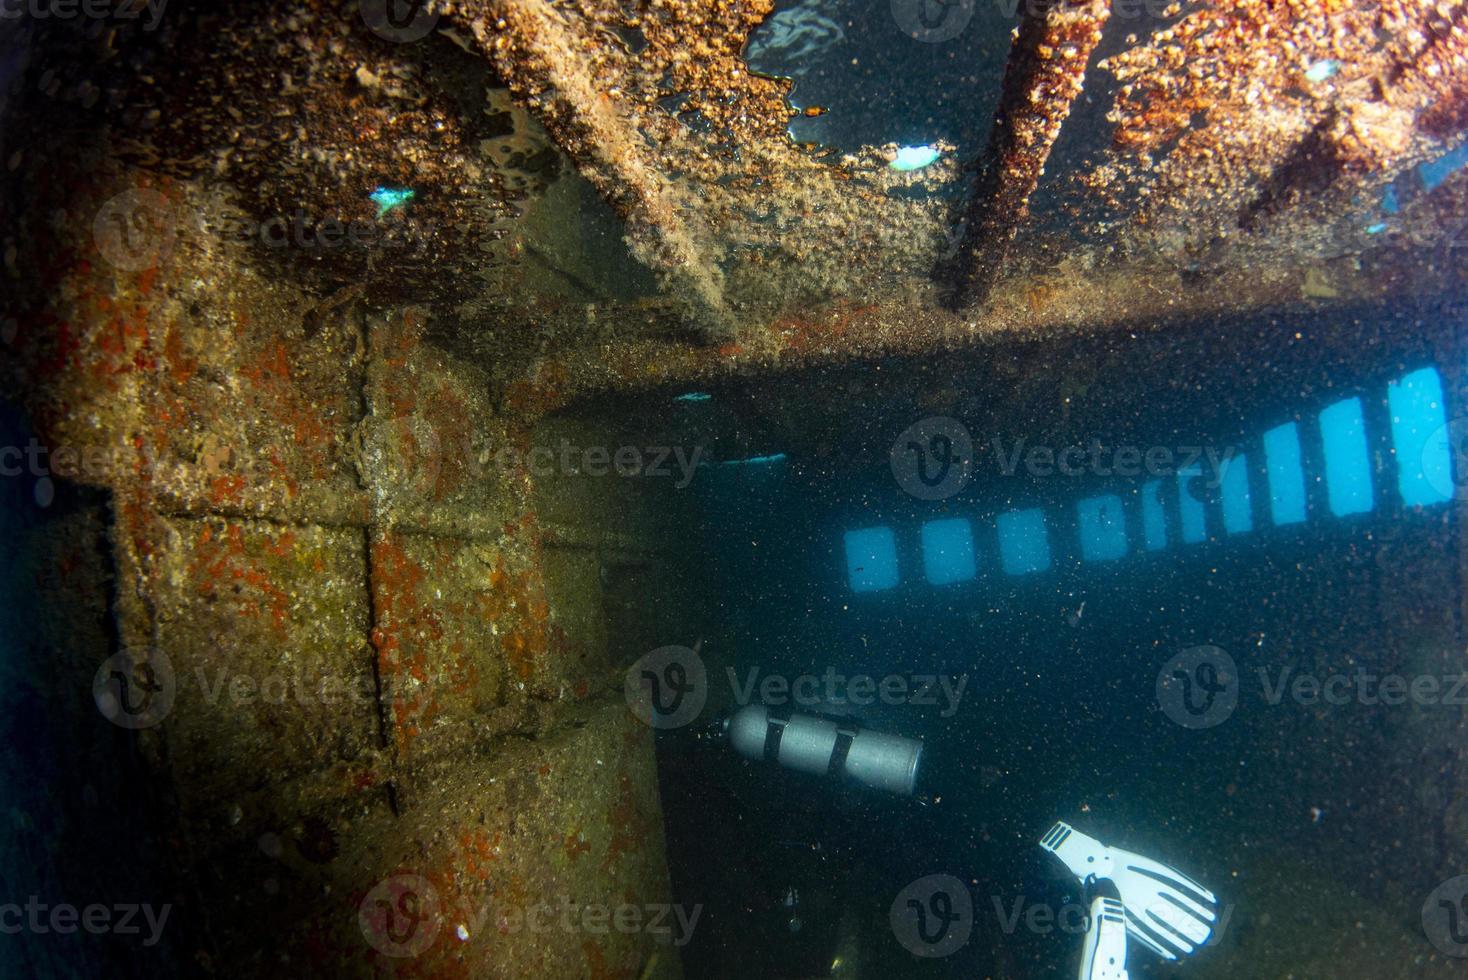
<point>119,10</point>
<point>1120,9</point>
<point>1452,437</point>
<point>64,918</point>
<point>933,459</point>
<point>833,689</point>
<point>1363,687</point>
<point>135,688</point>
<point>1040,918</point>
<point>325,233</point>
<point>136,229</point>
<point>401,915</point>
<point>1445,917</point>
<point>933,21</point>
<point>399,21</point>
<point>1199,687</point>
<point>668,687</point>
<point>406,451</point>
<point>1074,919</point>
<point>665,923</point>
<point>933,917</point>
<point>1209,464</point>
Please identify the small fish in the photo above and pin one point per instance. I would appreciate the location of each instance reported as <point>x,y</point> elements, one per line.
<point>388,198</point>
<point>815,110</point>
<point>1322,70</point>
<point>914,158</point>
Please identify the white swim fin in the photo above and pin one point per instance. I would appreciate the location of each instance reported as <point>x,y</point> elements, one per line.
<point>1165,910</point>
<point>1104,955</point>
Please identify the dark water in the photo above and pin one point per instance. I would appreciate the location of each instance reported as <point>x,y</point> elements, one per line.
<point>1318,821</point>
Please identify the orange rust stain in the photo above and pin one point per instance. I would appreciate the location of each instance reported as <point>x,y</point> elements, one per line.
<point>627,822</point>
<point>217,566</point>
<point>283,546</point>
<point>597,966</point>
<point>802,335</point>
<point>404,338</point>
<point>575,845</point>
<point>277,395</point>
<point>480,852</point>
<point>404,628</point>
<point>546,390</point>
<point>517,605</point>
<point>228,489</point>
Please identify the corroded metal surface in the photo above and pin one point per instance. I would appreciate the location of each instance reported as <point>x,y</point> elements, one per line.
<point>1276,126</point>
<point>654,102</point>
<point>1241,132</point>
<point>300,455</point>
<point>542,54</point>
<point>1047,68</point>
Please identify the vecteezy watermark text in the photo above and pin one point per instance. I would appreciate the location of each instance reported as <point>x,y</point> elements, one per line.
<point>1119,9</point>
<point>119,10</point>
<point>102,463</point>
<point>935,458</point>
<point>858,690</point>
<point>402,916</point>
<point>64,919</point>
<point>1071,918</point>
<point>138,688</point>
<point>1362,687</point>
<point>669,687</point>
<point>305,231</point>
<point>1201,687</point>
<point>1094,459</point>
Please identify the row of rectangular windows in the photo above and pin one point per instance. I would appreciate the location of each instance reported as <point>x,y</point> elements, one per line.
<point>1424,465</point>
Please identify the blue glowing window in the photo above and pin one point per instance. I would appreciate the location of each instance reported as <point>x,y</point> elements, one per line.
<point>1238,506</point>
<point>1154,518</point>
<point>1024,544</point>
<point>1191,514</point>
<point>1347,461</point>
<point>871,559</point>
<point>1102,524</point>
<point>1420,435</point>
<point>1286,475</point>
<point>948,551</point>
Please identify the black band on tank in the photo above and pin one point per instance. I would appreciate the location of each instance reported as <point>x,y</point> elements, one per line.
<point>773,735</point>
<point>844,739</point>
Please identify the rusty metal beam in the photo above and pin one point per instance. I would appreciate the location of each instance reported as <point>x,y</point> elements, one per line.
<point>1045,73</point>
<point>545,57</point>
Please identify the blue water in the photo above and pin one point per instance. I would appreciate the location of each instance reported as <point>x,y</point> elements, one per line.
<point>1300,521</point>
<point>1421,468</point>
